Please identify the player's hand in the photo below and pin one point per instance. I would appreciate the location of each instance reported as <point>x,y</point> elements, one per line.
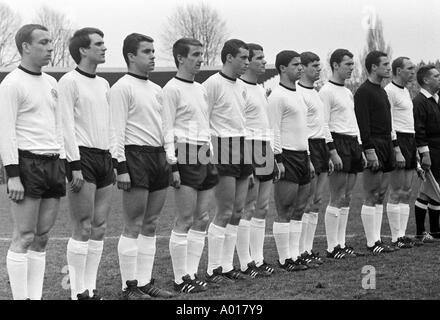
<point>372,160</point>
<point>282,170</point>
<point>176,180</point>
<point>420,172</point>
<point>312,170</point>
<point>276,172</point>
<point>123,181</point>
<point>364,160</point>
<point>400,160</point>
<point>426,161</point>
<point>77,181</point>
<point>336,160</point>
<point>251,181</point>
<point>15,189</point>
<point>331,167</point>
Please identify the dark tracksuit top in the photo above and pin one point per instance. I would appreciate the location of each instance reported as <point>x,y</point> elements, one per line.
<point>373,113</point>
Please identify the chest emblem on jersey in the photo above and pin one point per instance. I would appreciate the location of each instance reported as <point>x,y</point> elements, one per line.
<point>54,94</point>
<point>244,95</point>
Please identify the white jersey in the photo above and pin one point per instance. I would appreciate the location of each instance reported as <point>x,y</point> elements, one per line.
<point>31,117</point>
<point>288,118</point>
<point>318,127</point>
<point>86,113</point>
<point>187,103</point>
<point>339,109</point>
<point>139,116</point>
<point>227,99</point>
<point>257,121</point>
<point>401,109</point>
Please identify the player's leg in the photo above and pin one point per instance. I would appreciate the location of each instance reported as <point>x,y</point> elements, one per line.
<point>241,187</point>
<point>383,188</point>
<point>397,182</point>
<point>285,193</point>
<point>297,247</point>
<point>81,209</point>
<point>103,202</point>
<point>224,197</point>
<point>134,204</point>
<point>337,187</point>
<point>314,209</point>
<point>258,226</point>
<point>371,186</point>
<point>405,197</point>
<point>243,233</point>
<point>147,245</point>
<point>25,218</point>
<point>305,218</point>
<point>47,215</point>
<point>186,204</point>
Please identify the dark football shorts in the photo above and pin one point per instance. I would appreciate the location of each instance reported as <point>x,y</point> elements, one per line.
<point>96,167</point>
<point>195,167</point>
<point>297,166</point>
<point>407,145</point>
<point>319,155</point>
<point>42,176</point>
<point>148,167</point>
<point>232,157</point>
<point>262,159</point>
<point>383,146</point>
<point>350,152</point>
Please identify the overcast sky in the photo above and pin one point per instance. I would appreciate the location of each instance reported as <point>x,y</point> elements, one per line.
<point>410,26</point>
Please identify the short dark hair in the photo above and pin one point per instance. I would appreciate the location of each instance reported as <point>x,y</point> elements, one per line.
<point>373,57</point>
<point>398,63</point>
<point>284,57</point>
<point>423,72</point>
<point>253,47</point>
<point>81,39</point>
<point>181,47</point>
<point>308,57</point>
<point>232,47</point>
<point>24,34</point>
<point>131,44</point>
<point>338,55</point>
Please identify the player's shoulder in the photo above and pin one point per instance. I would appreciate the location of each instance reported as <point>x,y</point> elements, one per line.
<point>68,77</point>
<point>103,81</point>
<point>11,78</point>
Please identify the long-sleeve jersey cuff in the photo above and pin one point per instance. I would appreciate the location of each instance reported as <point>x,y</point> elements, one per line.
<point>395,144</point>
<point>75,165</point>
<point>423,149</point>
<point>279,158</point>
<point>331,146</point>
<point>12,170</point>
<point>366,146</point>
<point>115,163</point>
<point>174,167</point>
<point>122,167</point>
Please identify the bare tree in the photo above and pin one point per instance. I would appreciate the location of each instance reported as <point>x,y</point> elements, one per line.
<point>9,24</point>
<point>375,41</point>
<point>201,22</point>
<point>61,29</point>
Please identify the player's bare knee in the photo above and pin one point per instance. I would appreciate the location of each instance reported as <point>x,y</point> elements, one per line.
<point>395,196</point>
<point>24,239</point>
<point>262,211</point>
<point>405,195</point>
<point>201,222</point>
<point>98,230</point>
<point>184,222</point>
<point>40,242</point>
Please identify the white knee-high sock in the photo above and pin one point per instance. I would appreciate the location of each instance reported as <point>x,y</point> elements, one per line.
<point>196,243</point>
<point>243,243</point>
<point>76,260</point>
<point>257,230</point>
<point>281,234</point>
<point>304,230</point>
<point>311,229</point>
<point>342,225</point>
<point>216,239</point>
<point>404,215</point>
<point>331,221</point>
<point>368,216</point>
<point>35,276</point>
<point>393,214</point>
<point>178,251</point>
<point>229,247</point>
<point>295,228</point>
<point>17,265</point>
<point>127,254</point>
<point>145,259</point>
<point>378,221</point>
<point>92,264</point>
